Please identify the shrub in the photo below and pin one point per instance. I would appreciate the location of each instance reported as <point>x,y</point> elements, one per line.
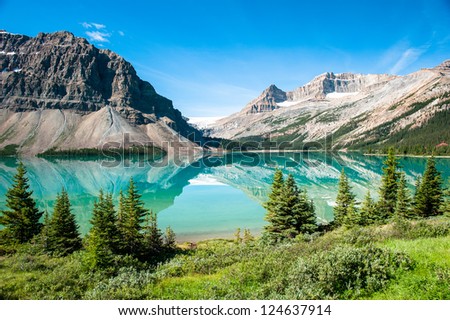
<point>343,273</point>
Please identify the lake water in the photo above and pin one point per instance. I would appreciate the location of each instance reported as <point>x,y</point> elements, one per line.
<point>208,198</point>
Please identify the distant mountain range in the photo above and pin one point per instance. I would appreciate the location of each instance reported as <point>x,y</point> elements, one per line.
<point>349,110</point>
<point>60,92</point>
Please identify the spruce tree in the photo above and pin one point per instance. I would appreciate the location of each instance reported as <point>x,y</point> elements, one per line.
<point>344,210</point>
<point>131,217</point>
<point>389,186</point>
<point>368,213</point>
<point>429,196</point>
<point>303,214</point>
<point>102,240</point>
<point>445,208</point>
<point>403,207</point>
<point>290,212</point>
<point>63,235</point>
<point>274,228</point>
<point>295,211</point>
<point>43,237</point>
<point>170,240</point>
<point>21,221</point>
<point>153,238</point>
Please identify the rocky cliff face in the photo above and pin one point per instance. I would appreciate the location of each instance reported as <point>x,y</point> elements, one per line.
<point>267,101</point>
<point>329,82</point>
<point>352,109</point>
<point>59,71</point>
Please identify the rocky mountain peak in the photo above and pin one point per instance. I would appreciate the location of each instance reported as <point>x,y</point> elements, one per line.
<point>267,101</point>
<point>444,66</point>
<point>61,71</point>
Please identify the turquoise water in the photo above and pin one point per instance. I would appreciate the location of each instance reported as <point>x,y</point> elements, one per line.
<point>208,198</point>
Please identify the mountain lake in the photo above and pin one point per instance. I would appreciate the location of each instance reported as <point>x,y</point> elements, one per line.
<point>211,197</point>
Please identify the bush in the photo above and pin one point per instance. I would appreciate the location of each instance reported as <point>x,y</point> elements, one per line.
<point>344,273</point>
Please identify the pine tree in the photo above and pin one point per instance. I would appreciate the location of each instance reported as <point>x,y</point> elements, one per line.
<point>170,240</point>
<point>130,219</point>
<point>153,238</point>
<point>445,208</point>
<point>21,221</point>
<point>102,241</point>
<point>389,186</point>
<point>295,211</point>
<point>121,212</point>
<point>403,207</point>
<point>368,213</point>
<point>63,235</point>
<point>344,209</point>
<point>43,237</point>
<point>290,212</point>
<point>273,229</point>
<point>429,196</point>
<point>303,214</point>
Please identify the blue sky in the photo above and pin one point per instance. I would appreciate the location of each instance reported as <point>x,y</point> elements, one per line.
<point>212,57</point>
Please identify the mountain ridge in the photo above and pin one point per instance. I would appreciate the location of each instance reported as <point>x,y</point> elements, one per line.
<point>61,72</point>
<point>353,109</point>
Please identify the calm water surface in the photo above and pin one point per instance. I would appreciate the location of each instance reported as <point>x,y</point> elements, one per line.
<point>211,197</point>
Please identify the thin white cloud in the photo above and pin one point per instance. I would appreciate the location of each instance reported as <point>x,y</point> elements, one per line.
<point>121,33</point>
<point>408,57</point>
<point>98,36</point>
<point>86,25</point>
<point>98,26</point>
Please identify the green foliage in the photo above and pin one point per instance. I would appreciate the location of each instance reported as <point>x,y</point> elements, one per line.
<point>62,230</point>
<point>429,196</point>
<point>21,221</point>
<point>368,213</point>
<point>344,210</point>
<point>170,239</point>
<point>290,211</point>
<point>403,208</point>
<point>389,186</point>
<point>445,208</point>
<point>345,272</point>
<point>131,216</point>
<point>9,150</point>
<point>153,237</point>
<point>102,241</point>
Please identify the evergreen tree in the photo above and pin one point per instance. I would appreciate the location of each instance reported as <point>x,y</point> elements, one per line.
<point>429,196</point>
<point>288,200</point>
<point>153,238</point>
<point>21,221</point>
<point>344,210</point>
<point>368,214</point>
<point>290,212</point>
<point>102,241</point>
<point>274,228</point>
<point>303,214</point>
<point>445,208</point>
<point>131,216</point>
<point>403,207</point>
<point>121,212</point>
<point>63,235</point>
<point>43,237</point>
<point>170,240</point>
<point>389,186</point>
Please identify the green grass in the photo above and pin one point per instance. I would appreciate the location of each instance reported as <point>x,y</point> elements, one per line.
<point>400,260</point>
<point>430,279</point>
